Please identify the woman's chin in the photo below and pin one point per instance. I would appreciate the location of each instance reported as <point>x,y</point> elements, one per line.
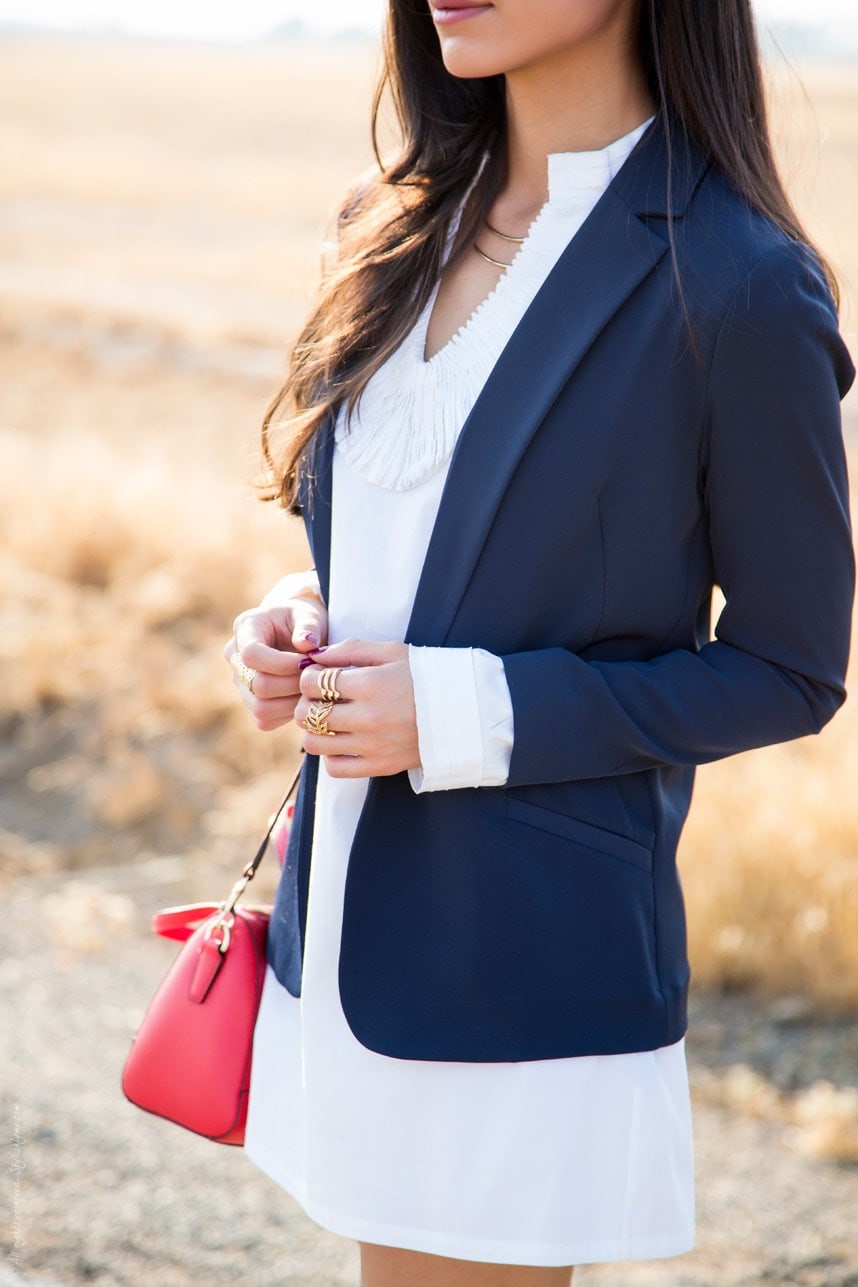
<point>464,60</point>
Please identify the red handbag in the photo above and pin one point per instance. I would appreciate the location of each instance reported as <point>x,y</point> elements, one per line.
<point>190,1060</point>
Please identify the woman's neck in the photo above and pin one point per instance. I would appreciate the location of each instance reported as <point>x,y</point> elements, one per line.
<point>577,103</point>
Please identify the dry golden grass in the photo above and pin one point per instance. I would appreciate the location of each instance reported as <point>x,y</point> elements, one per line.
<point>161,217</point>
<point>770,868</point>
<point>119,586</point>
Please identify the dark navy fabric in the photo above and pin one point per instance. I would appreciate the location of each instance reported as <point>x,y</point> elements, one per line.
<point>631,449</point>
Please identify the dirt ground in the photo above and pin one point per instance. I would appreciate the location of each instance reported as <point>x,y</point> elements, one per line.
<point>95,1191</point>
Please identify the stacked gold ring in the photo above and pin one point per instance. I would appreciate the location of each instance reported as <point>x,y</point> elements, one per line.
<point>316,720</point>
<point>328,684</point>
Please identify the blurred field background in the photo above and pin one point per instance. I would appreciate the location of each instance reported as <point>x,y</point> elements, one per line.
<point>162,211</point>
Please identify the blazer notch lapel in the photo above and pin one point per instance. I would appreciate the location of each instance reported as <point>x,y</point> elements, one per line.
<point>603,264</point>
<point>661,176</point>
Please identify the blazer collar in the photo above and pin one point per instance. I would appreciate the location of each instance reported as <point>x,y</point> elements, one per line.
<point>618,245</point>
<point>660,178</point>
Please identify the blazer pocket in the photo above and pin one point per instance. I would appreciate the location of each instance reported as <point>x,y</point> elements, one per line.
<point>581,833</point>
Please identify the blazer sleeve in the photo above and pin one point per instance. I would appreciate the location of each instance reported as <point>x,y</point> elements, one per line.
<point>775,487</point>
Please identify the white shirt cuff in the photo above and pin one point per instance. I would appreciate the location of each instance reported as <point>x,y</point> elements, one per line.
<point>464,718</point>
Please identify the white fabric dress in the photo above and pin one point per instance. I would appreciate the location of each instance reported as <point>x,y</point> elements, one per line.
<point>548,1162</point>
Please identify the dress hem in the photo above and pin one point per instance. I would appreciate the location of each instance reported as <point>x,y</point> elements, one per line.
<point>543,1256</point>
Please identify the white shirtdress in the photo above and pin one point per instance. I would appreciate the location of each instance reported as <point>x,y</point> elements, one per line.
<point>548,1162</point>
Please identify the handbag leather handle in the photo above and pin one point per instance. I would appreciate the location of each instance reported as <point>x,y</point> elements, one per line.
<point>250,869</point>
<point>180,922</point>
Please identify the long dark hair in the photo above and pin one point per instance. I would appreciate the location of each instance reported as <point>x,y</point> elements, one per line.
<point>702,65</point>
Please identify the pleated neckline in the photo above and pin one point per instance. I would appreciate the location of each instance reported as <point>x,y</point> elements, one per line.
<point>413,409</point>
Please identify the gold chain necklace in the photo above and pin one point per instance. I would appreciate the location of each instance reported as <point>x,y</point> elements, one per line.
<point>496,263</point>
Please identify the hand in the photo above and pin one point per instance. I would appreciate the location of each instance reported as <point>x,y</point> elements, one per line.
<point>272,640</point>
<point>375,722</point>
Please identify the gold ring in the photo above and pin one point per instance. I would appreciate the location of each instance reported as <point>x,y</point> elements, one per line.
<point>245,674</point>
<point>328,684</point>
<point>316,720</point>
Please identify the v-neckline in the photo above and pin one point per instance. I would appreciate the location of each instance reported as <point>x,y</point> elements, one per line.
<point>569,175</point>
<point>421,330</point>
<point>406,425</point>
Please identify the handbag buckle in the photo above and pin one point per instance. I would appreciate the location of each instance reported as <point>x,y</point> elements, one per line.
<point>226,915</point>
<point>223,923</point>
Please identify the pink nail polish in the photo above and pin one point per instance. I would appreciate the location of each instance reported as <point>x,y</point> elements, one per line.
<point>313,639</point>
<point>305,662</point>
<point>324,648</point>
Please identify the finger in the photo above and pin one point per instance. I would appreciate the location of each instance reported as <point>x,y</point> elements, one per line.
<point>348,766</point>
<point>254,632</point>
<point>346,682</point>
<point>342,719</point>
<point>317,744</point>
<point>359,766</point>
<point>267,688</point>
<point>310,626</point>
<point>359,652</point>
<point>259,685</point>
<point>270,715</point>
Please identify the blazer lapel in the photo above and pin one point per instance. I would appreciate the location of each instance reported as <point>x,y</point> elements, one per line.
<point>614,250</point>
<point>622,240</point>
<point>315,488</point>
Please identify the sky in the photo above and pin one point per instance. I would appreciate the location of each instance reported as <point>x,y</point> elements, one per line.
<point>251,18</point>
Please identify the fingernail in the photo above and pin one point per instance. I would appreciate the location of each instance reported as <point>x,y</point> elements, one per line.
<point>314,639</point>
<point>324,648</point>
<point>305,662</point>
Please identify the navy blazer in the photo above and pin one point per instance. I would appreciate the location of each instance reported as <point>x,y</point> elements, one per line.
<point>637,442</point>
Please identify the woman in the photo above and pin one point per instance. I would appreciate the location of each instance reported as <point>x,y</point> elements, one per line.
<point>573,366</point>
